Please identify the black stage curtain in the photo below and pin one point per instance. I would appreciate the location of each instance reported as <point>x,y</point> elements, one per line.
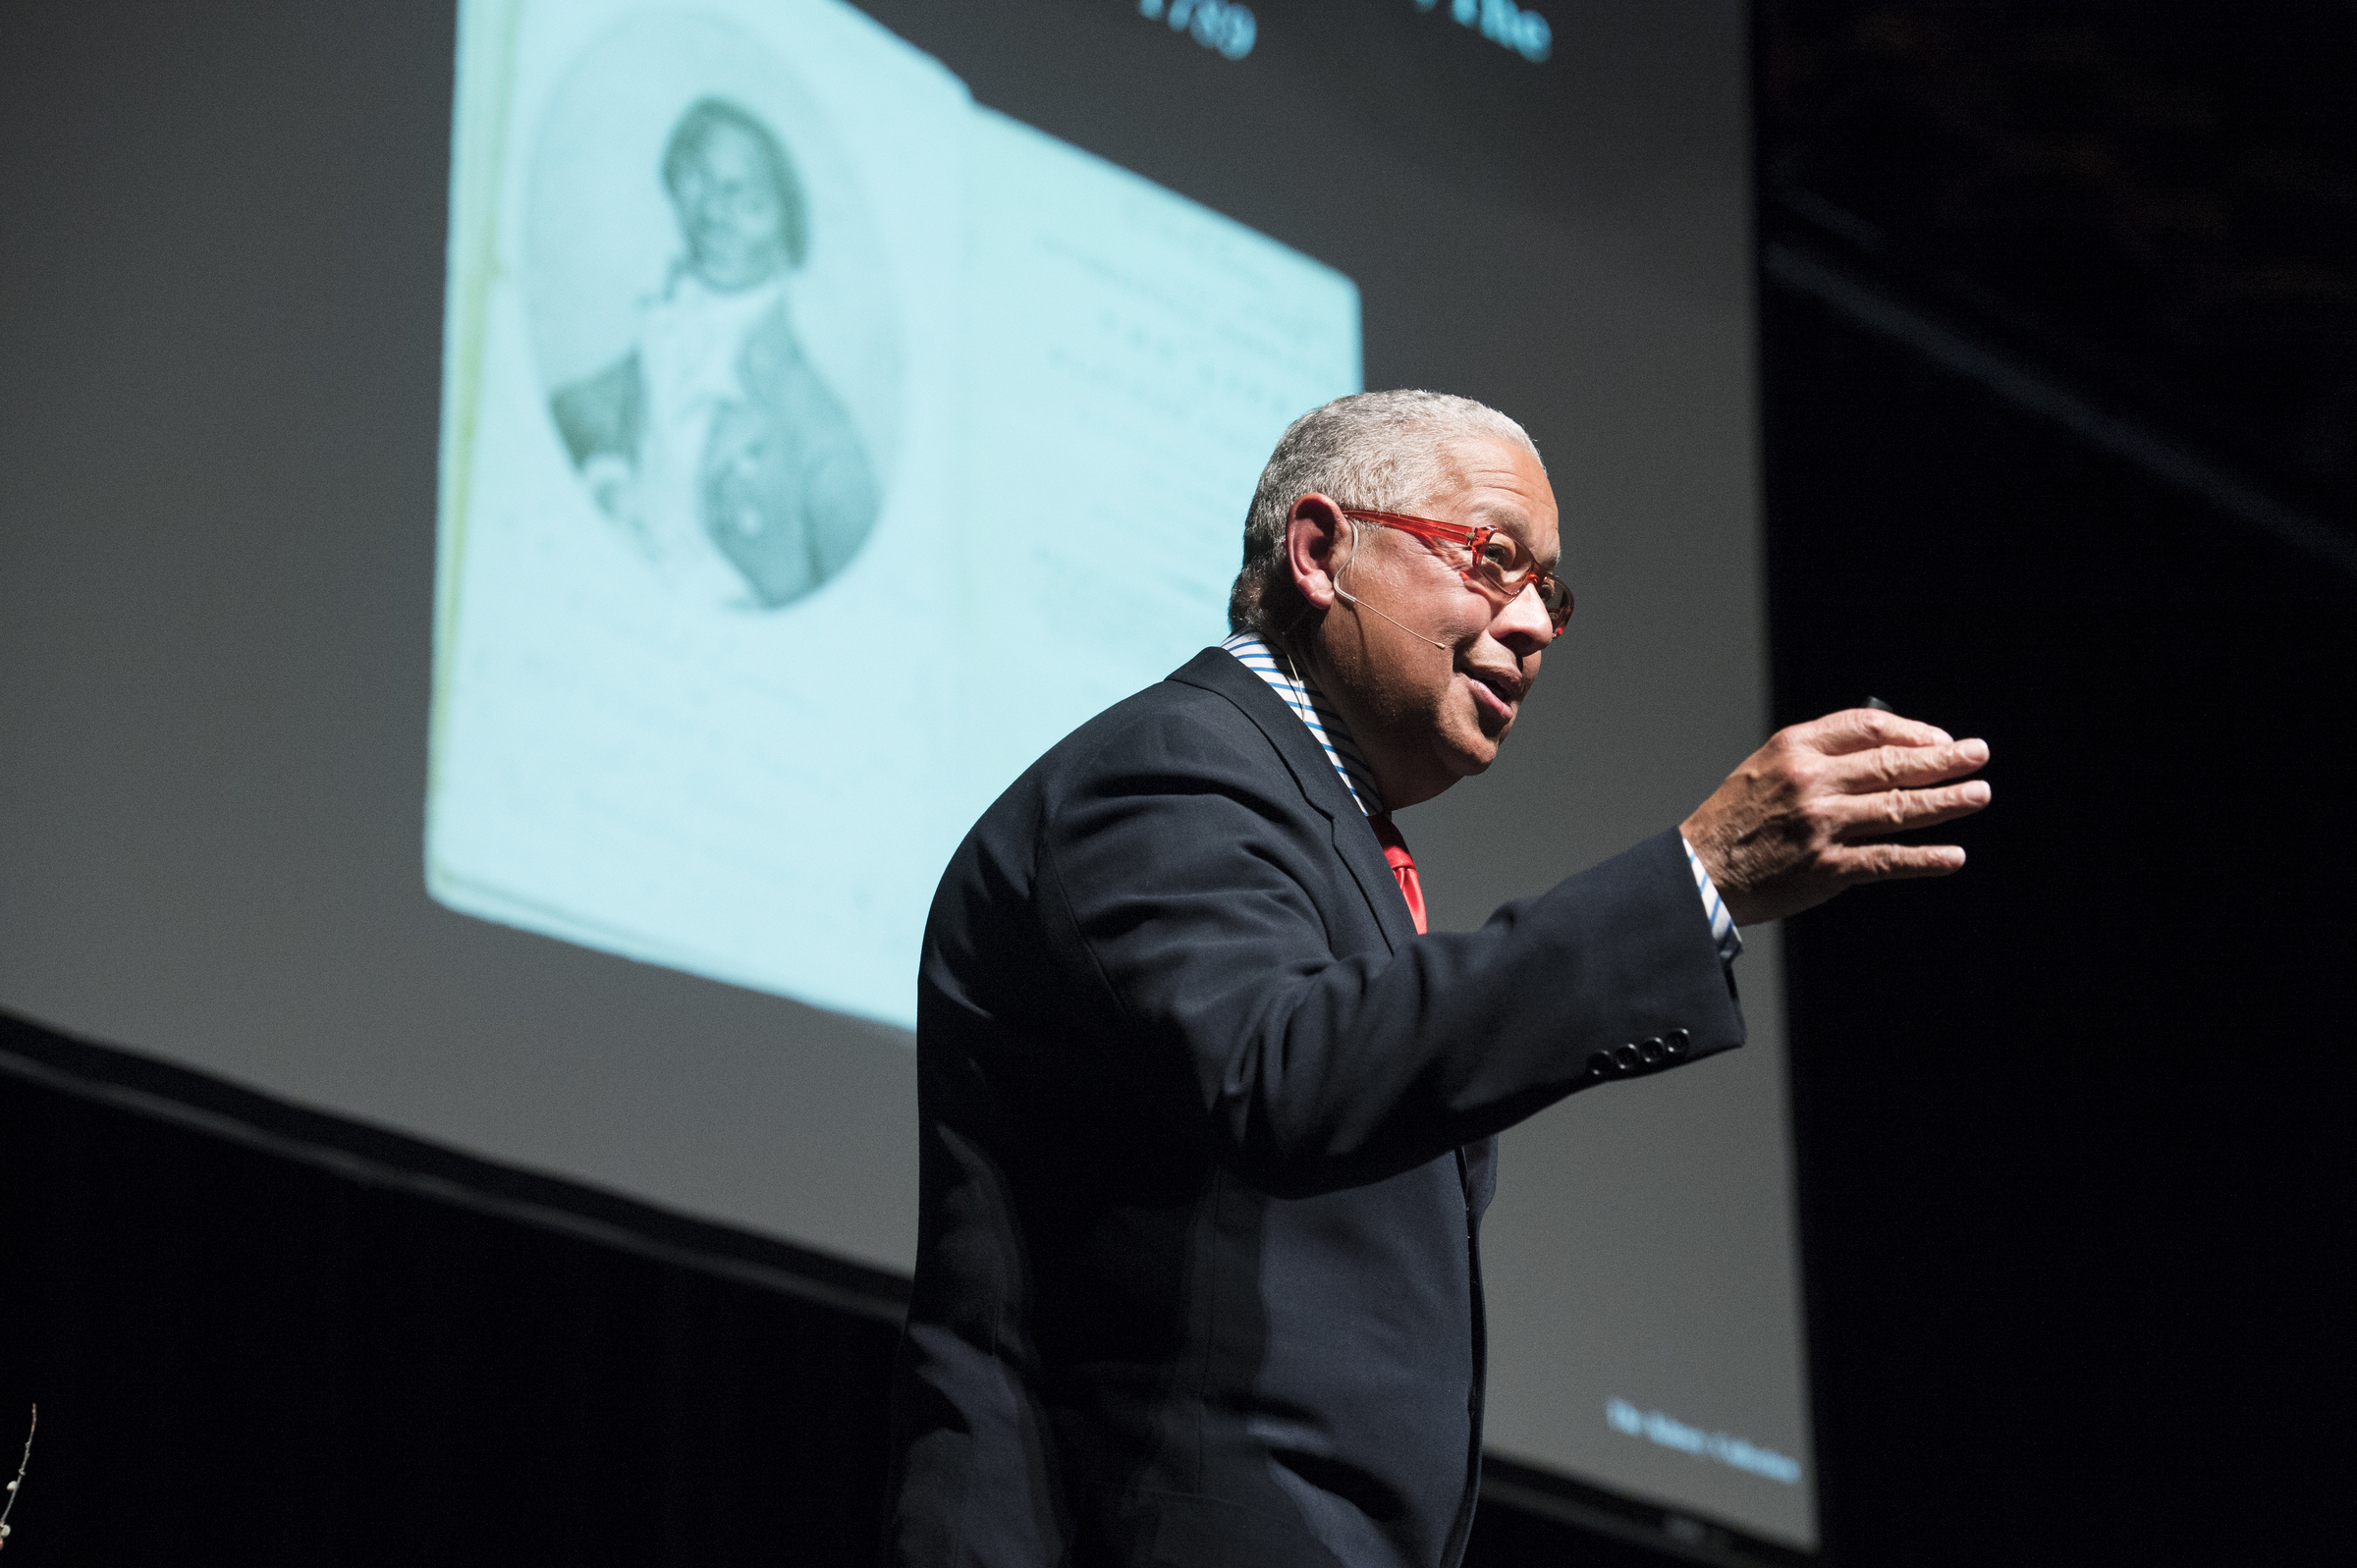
<point>241,1357</point>
<point>300,1355</point>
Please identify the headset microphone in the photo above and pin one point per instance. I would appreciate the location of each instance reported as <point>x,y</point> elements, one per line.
<point>1343,593</point>
<point>1340,592</point>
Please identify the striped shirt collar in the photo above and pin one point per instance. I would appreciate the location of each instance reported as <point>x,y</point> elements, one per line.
<point>1310,705</point>
<point>1326,727</point>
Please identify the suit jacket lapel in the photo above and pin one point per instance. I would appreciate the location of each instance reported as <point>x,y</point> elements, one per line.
<point>1218,670</point>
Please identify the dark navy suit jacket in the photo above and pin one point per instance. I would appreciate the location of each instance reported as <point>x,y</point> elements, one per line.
<point>1206,1136</point>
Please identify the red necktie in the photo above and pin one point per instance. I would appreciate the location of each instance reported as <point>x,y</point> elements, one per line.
<point>1403,866</point>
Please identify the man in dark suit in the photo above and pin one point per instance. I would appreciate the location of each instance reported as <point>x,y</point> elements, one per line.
<point>1207,1122</point>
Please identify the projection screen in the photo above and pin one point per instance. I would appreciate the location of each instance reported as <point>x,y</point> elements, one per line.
<point>519,574</point>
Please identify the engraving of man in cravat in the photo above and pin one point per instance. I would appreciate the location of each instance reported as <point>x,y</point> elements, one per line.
<point>714,442</point>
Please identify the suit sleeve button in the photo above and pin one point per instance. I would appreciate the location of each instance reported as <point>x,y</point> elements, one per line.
<point>1651,1050</point>
<point>1600,1062</point>
<point>1624,1057</point>
<point>1675,1042</point>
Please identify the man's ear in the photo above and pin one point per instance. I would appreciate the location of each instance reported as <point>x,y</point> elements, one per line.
<point>1317,545</point>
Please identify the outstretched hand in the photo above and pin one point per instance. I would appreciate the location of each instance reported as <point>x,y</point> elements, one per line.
<point>1792,826</point>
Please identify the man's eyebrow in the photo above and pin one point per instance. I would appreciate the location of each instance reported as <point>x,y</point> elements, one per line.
<point>1500,514</point>
<point>1507,518</point>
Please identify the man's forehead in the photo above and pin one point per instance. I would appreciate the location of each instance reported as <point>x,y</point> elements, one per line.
<point>1500,485</point>
<point>1499,510</point>
<point>1494,465</point>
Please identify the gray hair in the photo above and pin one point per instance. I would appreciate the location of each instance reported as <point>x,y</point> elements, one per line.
<point>1381,451</point>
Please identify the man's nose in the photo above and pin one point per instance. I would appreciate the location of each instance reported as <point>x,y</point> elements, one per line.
<point>1524,623</point>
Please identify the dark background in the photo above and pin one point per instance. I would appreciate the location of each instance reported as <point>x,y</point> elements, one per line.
<point>2058,316</point>
<point>2057,445</point>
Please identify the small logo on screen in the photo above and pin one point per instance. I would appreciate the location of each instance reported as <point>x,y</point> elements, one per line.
<point>1737,1453</point>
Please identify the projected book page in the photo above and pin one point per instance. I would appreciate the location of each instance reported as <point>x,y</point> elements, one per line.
<point>819,448</point>
<point>1133,359</point>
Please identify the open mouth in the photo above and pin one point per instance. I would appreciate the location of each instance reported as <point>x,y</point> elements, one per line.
<point>1497,692</point>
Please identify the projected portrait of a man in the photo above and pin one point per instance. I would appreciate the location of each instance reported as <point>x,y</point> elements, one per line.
<point>714,442</point>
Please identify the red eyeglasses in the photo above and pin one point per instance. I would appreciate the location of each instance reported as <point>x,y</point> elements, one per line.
<point>1495,561</point>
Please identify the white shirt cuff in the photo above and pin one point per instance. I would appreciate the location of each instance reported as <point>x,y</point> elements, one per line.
<point>1714,908</point>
